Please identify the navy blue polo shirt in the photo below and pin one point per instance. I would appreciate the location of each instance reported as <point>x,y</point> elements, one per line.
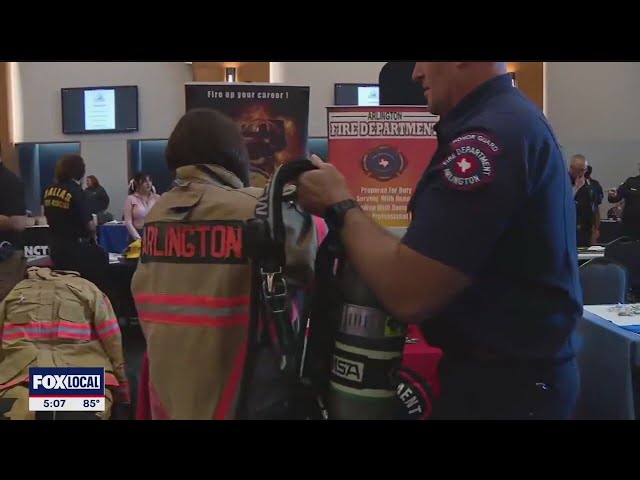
<point>496,204</point>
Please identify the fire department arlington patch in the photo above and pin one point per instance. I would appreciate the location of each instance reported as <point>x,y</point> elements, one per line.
<point>470,162</point>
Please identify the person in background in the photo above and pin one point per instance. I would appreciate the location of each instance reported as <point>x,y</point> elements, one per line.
<point>629,192</point>
<point>595,236</point>
<point>504,321</point>
<point>588,196</point>
<point>142,198</point>
<point>194,302</point>
<point>13,221</point>
<point>195,314</point>
<point>96,196</point>
<point>73,245</point>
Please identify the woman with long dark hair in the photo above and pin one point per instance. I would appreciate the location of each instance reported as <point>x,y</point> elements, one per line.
<point>142,198</point>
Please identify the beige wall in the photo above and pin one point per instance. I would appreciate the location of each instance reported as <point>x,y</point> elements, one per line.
<point>594,108</point>
<point>161,102</point>
<point>530,77</point>
<point>321,77</point>
<point>258,72</point>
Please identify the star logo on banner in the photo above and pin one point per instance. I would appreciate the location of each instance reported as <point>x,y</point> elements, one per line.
<point>384,163</point>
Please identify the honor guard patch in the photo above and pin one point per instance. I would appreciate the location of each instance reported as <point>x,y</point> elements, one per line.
<point>384,163</point>
<point>470,162</point>
<point>194,243</point>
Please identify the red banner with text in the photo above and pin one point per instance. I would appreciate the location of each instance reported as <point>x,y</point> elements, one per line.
<point>383,153</point>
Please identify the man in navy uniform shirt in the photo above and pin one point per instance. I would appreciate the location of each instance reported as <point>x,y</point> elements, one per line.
<point>588,196</point>
<point>488,266</point>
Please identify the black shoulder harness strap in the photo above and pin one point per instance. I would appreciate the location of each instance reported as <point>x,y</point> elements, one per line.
<point>265,244</point>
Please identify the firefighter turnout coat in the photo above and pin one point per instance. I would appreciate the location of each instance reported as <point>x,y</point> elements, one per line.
<point>57,319</point>
<point>192,292</point>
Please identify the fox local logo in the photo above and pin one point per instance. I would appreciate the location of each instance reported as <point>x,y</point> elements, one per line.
<point>67,382</point>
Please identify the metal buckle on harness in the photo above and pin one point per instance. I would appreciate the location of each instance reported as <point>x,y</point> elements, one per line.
<point>274,289</point>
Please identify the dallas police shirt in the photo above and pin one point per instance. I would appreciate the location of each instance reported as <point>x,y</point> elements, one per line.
<point>496,204</point>
<point>67,211</point>
<point>12,202</point>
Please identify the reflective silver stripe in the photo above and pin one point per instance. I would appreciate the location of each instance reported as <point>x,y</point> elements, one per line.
<point>364,393</point>
<point>368,322</point>
<point>191,311</point>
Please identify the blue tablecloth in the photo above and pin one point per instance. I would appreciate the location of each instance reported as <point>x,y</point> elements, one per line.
<point>113,238</point>
<point>609,362</point>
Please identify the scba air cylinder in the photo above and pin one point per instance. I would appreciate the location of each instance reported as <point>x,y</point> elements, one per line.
<point>367,356</point>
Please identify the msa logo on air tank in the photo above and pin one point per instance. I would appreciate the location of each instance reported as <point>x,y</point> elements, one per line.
<point>348,370</point>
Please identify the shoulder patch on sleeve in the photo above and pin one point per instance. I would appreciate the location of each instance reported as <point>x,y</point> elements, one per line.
<point>470,161</point>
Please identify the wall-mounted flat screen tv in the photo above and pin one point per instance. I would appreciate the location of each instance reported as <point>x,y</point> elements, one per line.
<point>93,110</point>
<point>359,94</point>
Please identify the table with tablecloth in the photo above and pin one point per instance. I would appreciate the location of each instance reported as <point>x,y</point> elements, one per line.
<point>592,253</point>
<point>609,361</point>
<point>114,238</point>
